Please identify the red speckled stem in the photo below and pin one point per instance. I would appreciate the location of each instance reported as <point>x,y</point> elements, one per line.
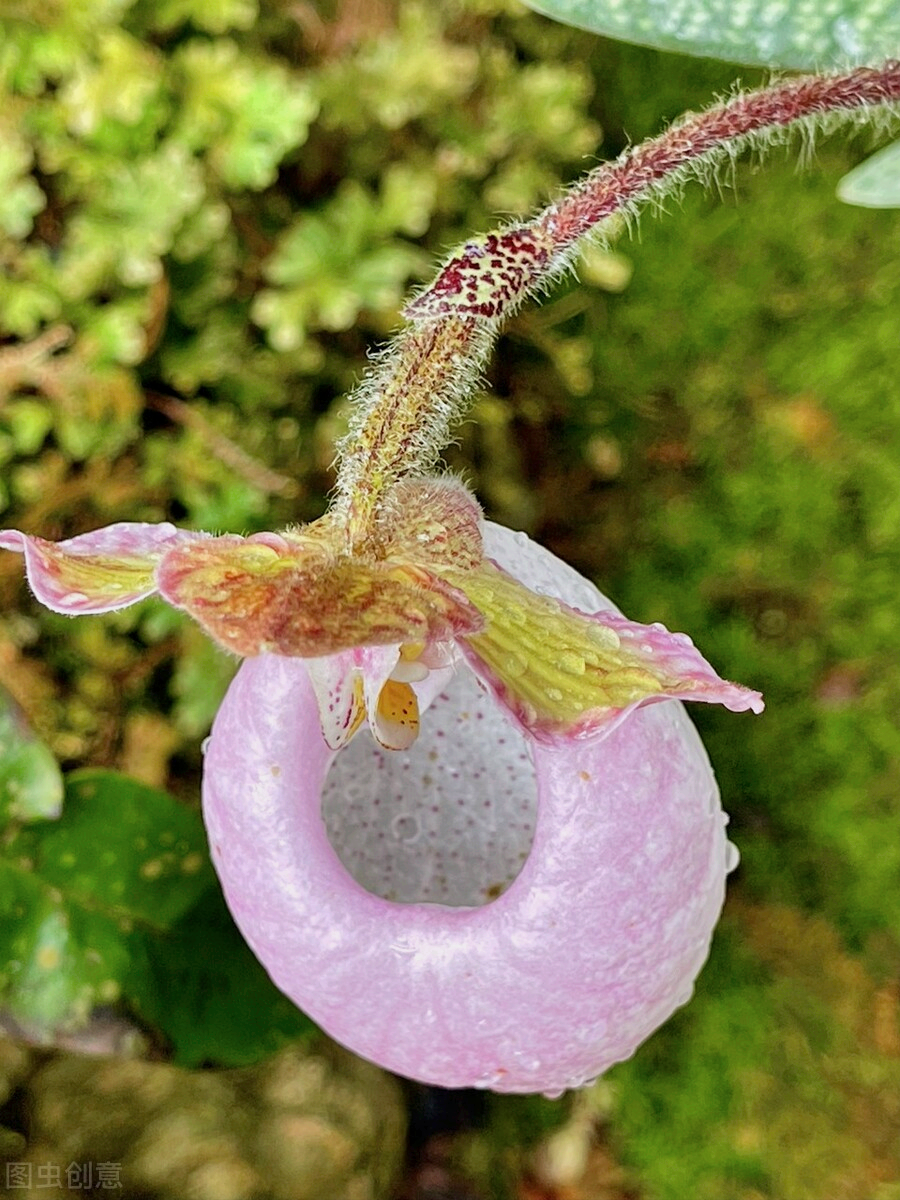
<point>406,408</point>
<point>640,171</point>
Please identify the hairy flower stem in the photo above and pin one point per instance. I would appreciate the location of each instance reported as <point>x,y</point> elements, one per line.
<point>406,407</point>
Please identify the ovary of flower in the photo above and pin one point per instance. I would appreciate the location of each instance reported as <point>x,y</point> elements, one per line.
<point>421,598</point>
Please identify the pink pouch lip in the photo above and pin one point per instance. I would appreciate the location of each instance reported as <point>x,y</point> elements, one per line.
<point>591,948</point>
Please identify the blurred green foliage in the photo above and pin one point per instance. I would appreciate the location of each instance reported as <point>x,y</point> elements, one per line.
<point>209,214</point>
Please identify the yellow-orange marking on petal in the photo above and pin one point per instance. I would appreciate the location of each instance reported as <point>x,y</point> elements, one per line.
<point>396,723</point>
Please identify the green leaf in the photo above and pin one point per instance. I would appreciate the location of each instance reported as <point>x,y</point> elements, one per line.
<point>330,266</point>
<point>117,901</point>
<point>72,892</point>
<point>205,990</point>
<point>31,785</point>
<point>125,847</point>
<point>58,960</point>
<point>20,197</point>
<point>775,33</point>
<point>29,423</point>
<point>213,16</point>
<point>874,183</point>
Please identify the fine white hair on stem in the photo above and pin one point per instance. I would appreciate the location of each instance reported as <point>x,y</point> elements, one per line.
<point>419,388</point>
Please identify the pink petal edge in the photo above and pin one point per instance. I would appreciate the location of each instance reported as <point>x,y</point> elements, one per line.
<point>672,655</point>
<point>123,540</point>
<point>676,655</point>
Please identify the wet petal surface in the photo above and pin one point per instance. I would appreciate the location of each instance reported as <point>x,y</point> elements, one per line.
<point>299,599</point>
<point>564,673</point>
<point>100,571</point>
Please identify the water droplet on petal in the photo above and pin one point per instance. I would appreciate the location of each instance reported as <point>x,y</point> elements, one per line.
<point>732,857</point>
<point>514,665</point>
<point>528,1062</point>
<point>572,662</point>
<point>604,636</point>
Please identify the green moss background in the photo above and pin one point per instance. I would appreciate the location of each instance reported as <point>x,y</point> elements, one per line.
<point>210,213</point>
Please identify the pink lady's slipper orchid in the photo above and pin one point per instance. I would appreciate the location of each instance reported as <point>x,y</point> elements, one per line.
<point>517,889</point>
<point>513,896</point>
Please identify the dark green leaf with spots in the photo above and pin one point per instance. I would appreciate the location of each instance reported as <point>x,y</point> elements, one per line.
<point>58,961</point>
<point>77,892</point>
<point>31,784</point>
<point>126,848</point>
<point>209,995</point>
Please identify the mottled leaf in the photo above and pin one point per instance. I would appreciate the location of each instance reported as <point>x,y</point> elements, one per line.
<point>31,784</point>
<point>57,959</point>
<point>777,33</point>
<point>125,847</point>
<point>73,891</point>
